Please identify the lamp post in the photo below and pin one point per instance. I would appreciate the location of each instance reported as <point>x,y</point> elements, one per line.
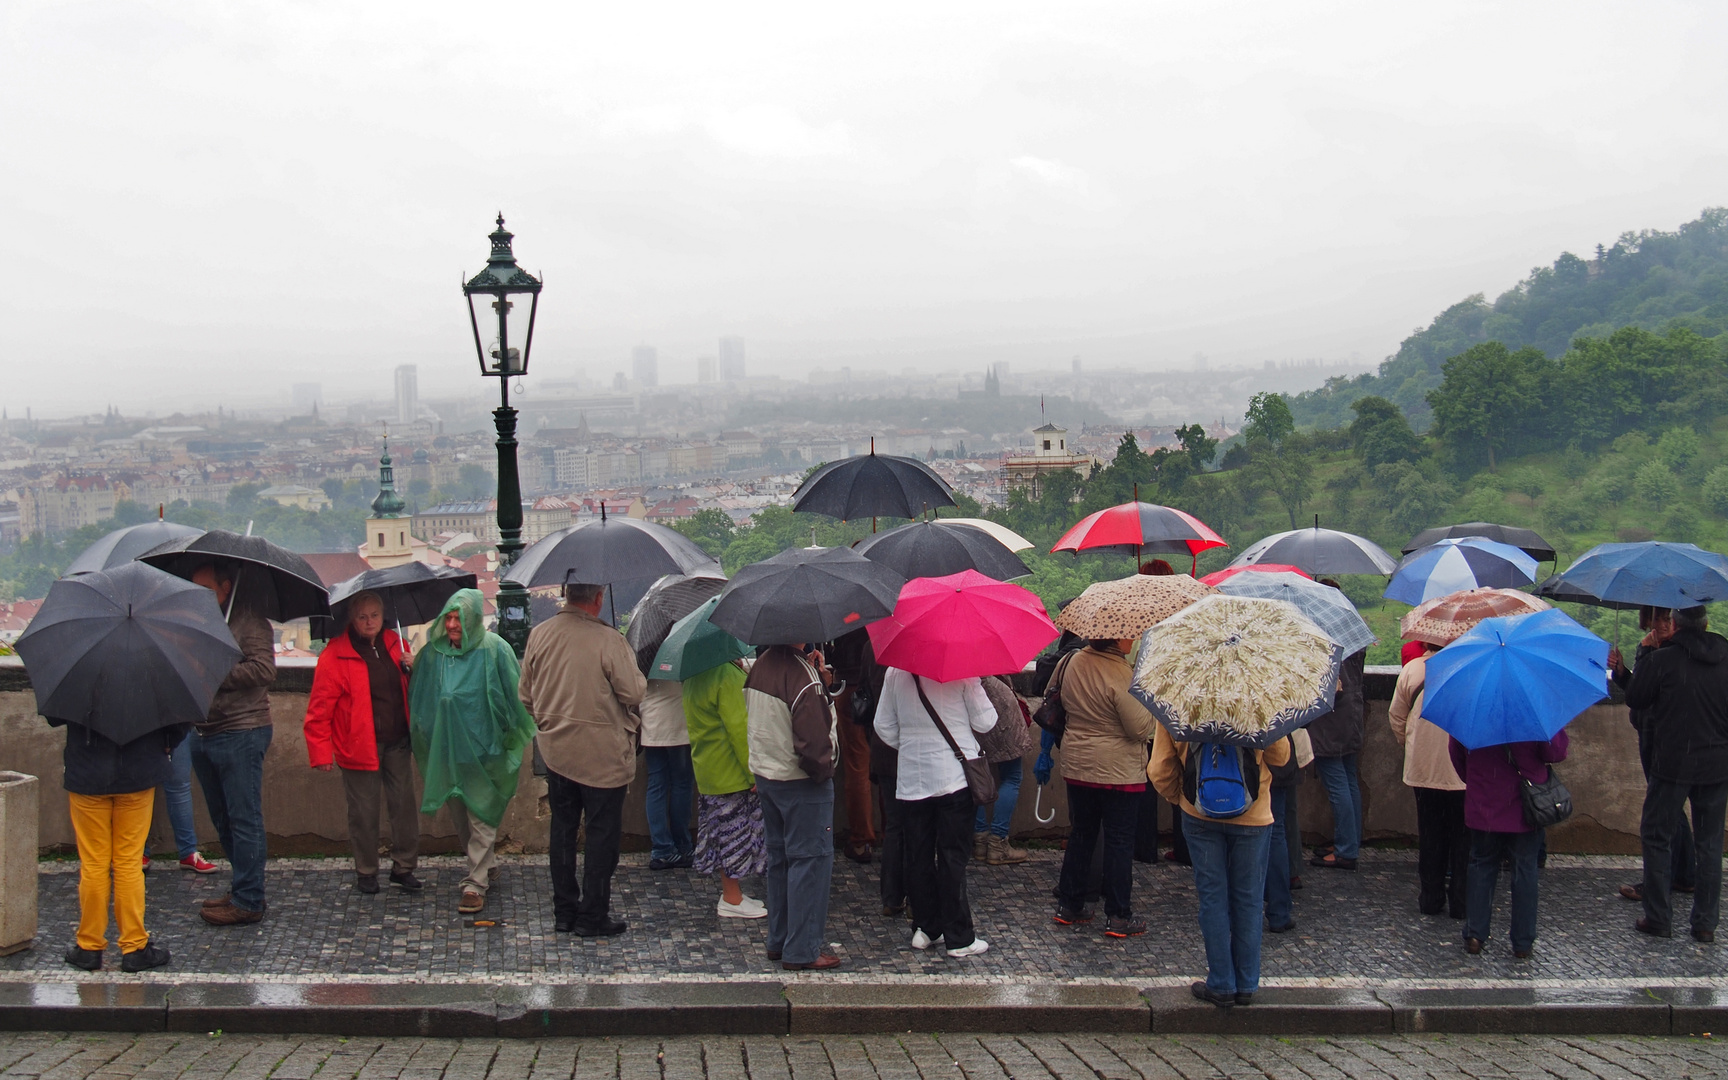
<point>501,280</point>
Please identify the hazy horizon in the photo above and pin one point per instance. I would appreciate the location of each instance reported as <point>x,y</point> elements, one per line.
<point>239,197</point>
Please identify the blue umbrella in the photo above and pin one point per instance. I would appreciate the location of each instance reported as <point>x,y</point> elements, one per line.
<point>1517,678</point>
<point>1459,563</point>
<point>1653,572</point>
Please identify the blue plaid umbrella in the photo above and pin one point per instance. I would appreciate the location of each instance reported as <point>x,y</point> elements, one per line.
<point>1458,563</point>
<point>1329,608</point>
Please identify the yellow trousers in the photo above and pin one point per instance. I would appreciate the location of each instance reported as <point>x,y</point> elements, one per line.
<point>111,831</point>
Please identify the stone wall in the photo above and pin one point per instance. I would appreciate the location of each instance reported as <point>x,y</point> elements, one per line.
<point>305,813</point>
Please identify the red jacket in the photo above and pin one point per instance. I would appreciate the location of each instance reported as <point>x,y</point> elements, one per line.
<point>339,712</point>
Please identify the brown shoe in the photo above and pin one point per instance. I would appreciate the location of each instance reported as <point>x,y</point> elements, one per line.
<point>999,852</point>
<point>221,901</point>
<point>1634,893</point>
<point>472,902</point>
<point>823,962</point>
<point>229,915</point>
<point>980,846</point>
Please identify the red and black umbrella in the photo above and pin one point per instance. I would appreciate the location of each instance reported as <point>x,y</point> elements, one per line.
<point>1141,528</point>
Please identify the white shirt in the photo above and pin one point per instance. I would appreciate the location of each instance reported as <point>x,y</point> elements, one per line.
<point>663,714</point>
<point>927,767</point>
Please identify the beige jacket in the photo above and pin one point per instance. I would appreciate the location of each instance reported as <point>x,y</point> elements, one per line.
<point>1108,728</point>
<point>1427,761</point>
<point>581,685</point>
<point>1169,758</point>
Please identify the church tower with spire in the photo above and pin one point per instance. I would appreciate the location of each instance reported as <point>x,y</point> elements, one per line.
<point>387,531</point>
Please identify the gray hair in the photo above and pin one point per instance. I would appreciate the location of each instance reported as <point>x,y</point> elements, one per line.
<point>1695,619</point>
<point>582,593</point>
<point>368,596</point>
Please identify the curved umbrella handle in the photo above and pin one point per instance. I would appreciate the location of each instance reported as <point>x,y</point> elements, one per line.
<point>1037,799</point>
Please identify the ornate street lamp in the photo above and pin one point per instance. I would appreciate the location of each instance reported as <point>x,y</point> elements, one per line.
<point>501,280</point>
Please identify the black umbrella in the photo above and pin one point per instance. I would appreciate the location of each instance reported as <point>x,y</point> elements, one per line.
<point>872,485</point>
<point>1319,551</point>
<point>412,593</point>
<point>124,545</point>
<point>806,594</point>
<point>608,551</point>
<point>940,548</point>
<point>1527,540</point>
<point>271,580</point>
<point>127,651</point>
<point>666,601</point>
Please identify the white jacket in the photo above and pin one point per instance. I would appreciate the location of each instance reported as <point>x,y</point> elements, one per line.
<point>927,765</point>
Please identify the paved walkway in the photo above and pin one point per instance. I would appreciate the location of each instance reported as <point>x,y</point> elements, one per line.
<point>52,1056</point>
<point>1358,929</point>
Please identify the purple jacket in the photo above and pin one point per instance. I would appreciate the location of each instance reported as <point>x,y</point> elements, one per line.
<point>1492,801</point>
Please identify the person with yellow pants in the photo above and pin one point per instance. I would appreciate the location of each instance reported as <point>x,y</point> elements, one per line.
<point>112,792</point>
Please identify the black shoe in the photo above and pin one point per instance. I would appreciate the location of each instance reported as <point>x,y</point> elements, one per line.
<point>150,956</point>
<point>367,883</point>
<point>1285,929</point>
<point>1223,1001</point>
<point>406,881</point>
<point>1706,936</point>
<point>605,928</point>
<point>1645,926</point>
<point>1073,917</point>
<point>676,862</point>
<point>1333,861</point>
<point>1126,926</point>
<point>88,959</point>
<point>564,926</point>
<point>1295,883</point>
<point>1473,946</point>
<point>1244,1000</point>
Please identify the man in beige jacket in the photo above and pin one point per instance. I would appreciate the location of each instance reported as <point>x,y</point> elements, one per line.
<point>581,684</point>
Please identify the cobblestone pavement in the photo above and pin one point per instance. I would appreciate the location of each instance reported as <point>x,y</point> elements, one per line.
<point>54,1056</point>
<point>1360,927</point>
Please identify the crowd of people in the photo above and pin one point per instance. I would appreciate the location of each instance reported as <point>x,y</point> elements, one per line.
<point>761,747</point>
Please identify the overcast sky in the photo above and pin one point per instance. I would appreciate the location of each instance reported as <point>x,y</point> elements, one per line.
<point>213,200</point>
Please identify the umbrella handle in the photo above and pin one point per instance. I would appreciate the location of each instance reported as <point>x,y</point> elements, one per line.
<point>234,587</point>
<point>1037,800</point>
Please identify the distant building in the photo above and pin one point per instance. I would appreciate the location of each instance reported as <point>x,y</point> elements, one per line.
<point>296,495</point>
<point>308,397</point>
<point>731,359</point>
<point>407,393</point>
<point>540,519</point>
<point>388,530</point>
<point>67,503</point>
<point>645,365</point>
<point>1050,454</point>
<point>705,369</point>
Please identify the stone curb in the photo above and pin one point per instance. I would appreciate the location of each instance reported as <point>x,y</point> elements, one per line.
<point>809,1007</point>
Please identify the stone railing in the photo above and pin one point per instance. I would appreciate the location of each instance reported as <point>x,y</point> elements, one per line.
<point>304,810</point>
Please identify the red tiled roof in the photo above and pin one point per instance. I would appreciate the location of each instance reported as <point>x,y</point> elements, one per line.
<point>334,566</point>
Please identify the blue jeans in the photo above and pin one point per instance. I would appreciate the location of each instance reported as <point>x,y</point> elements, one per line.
<point>1486,851</point>
<point>1344,789</point>
<point>230,768</point>
<point>670,781</point>
<point>1278,899</point>
<point>178,793</point>
<point>1008,775</point>
<point>798,816</point>
<point>1230,880</point>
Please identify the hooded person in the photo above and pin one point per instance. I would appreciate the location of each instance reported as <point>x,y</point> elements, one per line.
<point>469,730</point>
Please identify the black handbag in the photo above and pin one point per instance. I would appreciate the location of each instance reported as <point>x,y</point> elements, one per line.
<point>1052,715</point>
<point>980,777</point>
<point>1546,804</point>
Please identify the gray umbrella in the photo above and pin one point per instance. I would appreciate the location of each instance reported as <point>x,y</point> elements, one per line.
<point>127,651</point>
<point>1320,551</point>
<point>124,545</point>
<point>666,601</point>
<point>609,551</point>
<point>806,594</point>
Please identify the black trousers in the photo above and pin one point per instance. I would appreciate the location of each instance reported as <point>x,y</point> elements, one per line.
<point>1664,804</point>
<point>938,838</point>
<point>587,905</point>
<point>892,879</point>
<point>1090,810</point>
<point>1443,861</point>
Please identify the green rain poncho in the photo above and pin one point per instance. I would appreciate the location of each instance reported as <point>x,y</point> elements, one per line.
<point>469,728</point>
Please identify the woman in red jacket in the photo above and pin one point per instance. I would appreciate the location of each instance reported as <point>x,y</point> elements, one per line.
<point>357,718</point>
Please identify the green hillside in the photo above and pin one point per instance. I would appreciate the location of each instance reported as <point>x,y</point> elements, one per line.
<point>1657,280</point>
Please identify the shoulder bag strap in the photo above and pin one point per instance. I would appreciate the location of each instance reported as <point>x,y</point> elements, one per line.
<point>947,736</point>
<point>1061,670</point>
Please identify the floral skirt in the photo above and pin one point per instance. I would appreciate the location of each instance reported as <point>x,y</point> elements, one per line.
<point>730,838</point>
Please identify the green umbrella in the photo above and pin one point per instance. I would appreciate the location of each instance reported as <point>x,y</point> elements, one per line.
<point>695,645</point>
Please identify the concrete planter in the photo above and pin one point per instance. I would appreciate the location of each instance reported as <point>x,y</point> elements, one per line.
<point>18,812</point>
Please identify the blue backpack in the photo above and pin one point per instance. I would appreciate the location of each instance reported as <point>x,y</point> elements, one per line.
<point>1221,781</point>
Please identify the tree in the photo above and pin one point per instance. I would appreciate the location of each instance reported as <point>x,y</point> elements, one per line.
<point>1286,471</point>
<point>1677,447</point>
<point>1268,417</point>
<point>1656,484</point>
<point>1716,490</point>
<point>711,528</point>
<point>1484,396</point>
<point>1381,434</point>
<point>1200,447</point>
<point>243,496</point>
<point>473,482</point>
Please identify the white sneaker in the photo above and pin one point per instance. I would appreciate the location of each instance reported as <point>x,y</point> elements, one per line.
<point>746,908</point>
<point>921,940</point>
<point>978,947</point>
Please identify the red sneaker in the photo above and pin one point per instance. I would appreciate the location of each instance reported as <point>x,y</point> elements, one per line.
<point>198,864</point>
<point>146,864</point>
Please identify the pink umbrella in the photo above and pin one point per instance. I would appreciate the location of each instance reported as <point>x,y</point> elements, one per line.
<point>961,626</point>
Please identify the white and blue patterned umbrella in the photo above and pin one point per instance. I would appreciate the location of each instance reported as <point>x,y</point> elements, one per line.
<point>1330,609</point>
<point>1455,564</point>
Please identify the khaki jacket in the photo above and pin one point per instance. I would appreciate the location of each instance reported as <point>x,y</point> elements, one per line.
<point>1427,759</point>
<point>242,702</point>
<point>1165,771</point>
<point>1108,728</point>
<point>581,685</point>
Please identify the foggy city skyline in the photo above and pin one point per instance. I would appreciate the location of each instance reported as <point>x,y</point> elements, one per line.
<point>215,204</point>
